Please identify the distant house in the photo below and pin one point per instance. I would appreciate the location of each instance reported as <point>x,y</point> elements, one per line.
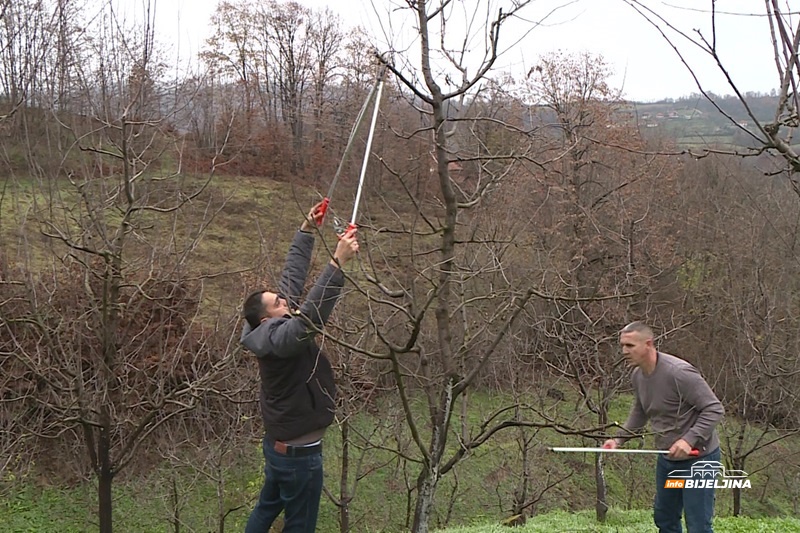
<point>455,168</point>
<point>460,175</point>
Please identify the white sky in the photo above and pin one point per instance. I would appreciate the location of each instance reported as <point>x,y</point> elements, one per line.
<point>645,66</point>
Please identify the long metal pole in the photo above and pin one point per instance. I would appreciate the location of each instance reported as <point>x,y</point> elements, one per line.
<point>605,450</point>
<point>353,132</point>
<point>326,201</point>
<point>616,450</point>
<point>366,154</point>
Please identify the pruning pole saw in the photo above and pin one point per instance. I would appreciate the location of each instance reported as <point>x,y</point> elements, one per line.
<point>376,91</point>
<point>693,453</point>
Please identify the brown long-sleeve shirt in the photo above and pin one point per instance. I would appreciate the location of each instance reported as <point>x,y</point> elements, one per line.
<point>678,403</point>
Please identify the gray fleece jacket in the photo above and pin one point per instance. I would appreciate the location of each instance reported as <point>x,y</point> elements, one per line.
<point>297,385</point>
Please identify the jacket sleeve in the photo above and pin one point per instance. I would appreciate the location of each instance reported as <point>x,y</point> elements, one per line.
<point>287,336</point>
<point>323,296</point>
<point>695,392</point>
<point>281,337</point>
<point>295,270</point>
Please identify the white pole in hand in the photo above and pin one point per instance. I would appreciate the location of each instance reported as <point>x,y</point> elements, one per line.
<point>694,453</point>
<point>366,155</point>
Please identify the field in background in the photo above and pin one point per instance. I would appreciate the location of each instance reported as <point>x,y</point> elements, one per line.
<point>246,237</point>
<point>696,123</point>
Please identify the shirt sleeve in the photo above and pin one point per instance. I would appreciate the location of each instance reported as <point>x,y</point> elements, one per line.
<point>696,393</point>
<point>637,420</point>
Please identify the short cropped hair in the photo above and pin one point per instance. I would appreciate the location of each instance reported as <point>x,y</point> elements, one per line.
<point>639,327</point>
<point>254,309</point>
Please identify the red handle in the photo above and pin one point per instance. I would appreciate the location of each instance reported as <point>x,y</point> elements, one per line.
<point>348,228</point>
<point>694,453</point>
<point>323,209</point>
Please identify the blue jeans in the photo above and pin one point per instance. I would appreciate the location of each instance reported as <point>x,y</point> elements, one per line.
<point>696,504</point>
<point>292,485</point>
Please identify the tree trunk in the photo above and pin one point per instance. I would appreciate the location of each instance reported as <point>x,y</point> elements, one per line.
<point>738,464</point>
<point>601,507</point>
<point>344,504</point>
<point>220,475</point>
<point>426,490</point>
<point>176,506</point>
<point>105,475</point>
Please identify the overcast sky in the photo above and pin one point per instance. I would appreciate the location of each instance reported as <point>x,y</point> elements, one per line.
<point>646,67</point>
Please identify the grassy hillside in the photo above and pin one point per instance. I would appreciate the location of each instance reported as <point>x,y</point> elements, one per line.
<point>239,228</point>
<point>245,245</point>
<point>696,122</point>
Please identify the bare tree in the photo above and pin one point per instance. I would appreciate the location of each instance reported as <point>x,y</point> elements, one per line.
<point>439,287</point>
<point>25,31</point>
<point>326,39</point>
<point>283,57</point>
<point>212,438</point>
<point>103,331</point>
<point>596,196</point>
<point>232,53</point>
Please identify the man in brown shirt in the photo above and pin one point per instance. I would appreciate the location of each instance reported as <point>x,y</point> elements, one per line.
<point>683,413</point>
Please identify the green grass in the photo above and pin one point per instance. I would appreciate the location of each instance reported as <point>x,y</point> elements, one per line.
<point>627,522</point>
<point>477,493</point>
<point>145,510</point>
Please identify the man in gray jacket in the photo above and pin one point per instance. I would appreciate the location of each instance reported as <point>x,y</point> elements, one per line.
<point>683,413</point>
<point>297,394</point>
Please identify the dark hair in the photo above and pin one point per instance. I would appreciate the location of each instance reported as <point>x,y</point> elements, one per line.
<point>639,327</point>
<point>254,309</point>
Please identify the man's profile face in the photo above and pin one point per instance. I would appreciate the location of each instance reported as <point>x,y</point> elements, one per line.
<point>635,347</point>
<point>274,305</point>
